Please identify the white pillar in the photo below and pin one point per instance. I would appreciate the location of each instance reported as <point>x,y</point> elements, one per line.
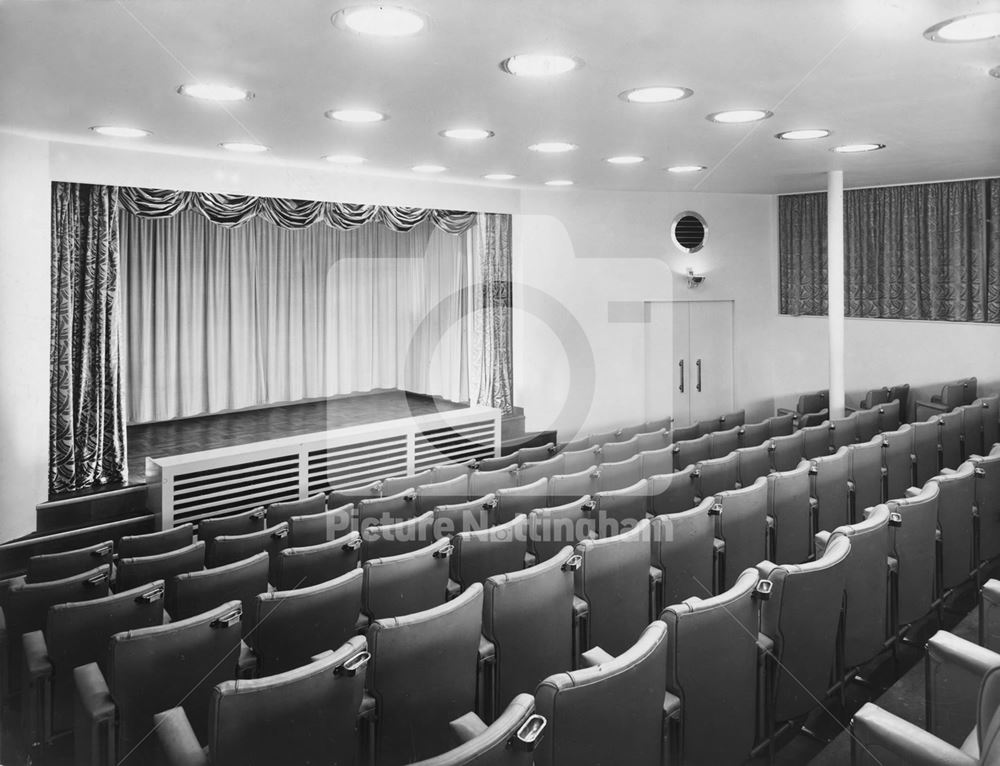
<point>835,287</point>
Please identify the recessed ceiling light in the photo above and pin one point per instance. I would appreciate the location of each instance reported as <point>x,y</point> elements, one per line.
<point>685,168</point>
<point>552,147</point>
<point>559,182</point>
<point>539,65</point>
<point>736,116</point>
<point>856,148</point>
<point>657,94</point>
<point>806,134</point>
<point>499,176</point>
<point>966,29</point>
<point>467,134</point>
<point>213,92</point>
<point>344,159</point>
<point>118,131</point>
<point>356,115</point>
<point>626,159</point>
<point>244,147</point>
<point>429,168</point>
<point>379,20</point>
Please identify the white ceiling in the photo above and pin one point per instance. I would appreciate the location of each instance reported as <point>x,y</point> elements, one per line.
<point>861,68</point>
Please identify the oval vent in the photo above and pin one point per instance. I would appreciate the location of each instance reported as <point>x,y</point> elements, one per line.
<point>688,231</point>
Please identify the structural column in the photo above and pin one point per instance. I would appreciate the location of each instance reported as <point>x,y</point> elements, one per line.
<point>835,287</point>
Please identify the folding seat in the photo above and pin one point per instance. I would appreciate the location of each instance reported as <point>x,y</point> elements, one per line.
<point>521,499</point>
<point>950,438</point>
<point>873,398</point>
<point>294,625</point>
<point>831,490</point>
<point>733,419</point>
<point>652,440</point>
<point>613,580</point>
<point>57,566</point>
<point>536,454</point>
<point>956,526</point>
<point>618,509</point>
<point>952,395</point>
<point>798,626</point>
<point>354,495</point>
<point>991,424</point>
<point>485,482</point>
<point>422,675</point>
<point>601,438</point>
<point>716,475</point>
<point>816,440</point>
<point>901,393</point>
<point>787,451</point>
<point>574,462</point>
<point>972,429</point>
<point>866,423</point>
<point>712,666</point>
<point>312,564</point>
<point>657,462</point>
<point>449,471</point>
<point>753,434</point>
<point>708,426</point>
<point>509,741</point>
<point>146,672</point>
<point>281,512</point>
<point>970,390</point>
<point>666,424</point>
<point>741,528</point>
<point>76,633</point>
<point>131,546</point>
<point>552,529</point>
<point>888,416</point>
<point>381,540</point>
<point>625,473</point>
<point>866,477</point>
<point>682,547</point>
<point>866,586</point>
<point>388,509</point>
<point>780,425</point>
<point>753,462</point>
<point>410,582</point>
<point>459,517</point>
<point>317,528</point>
<point>192,593</point>
<point>528,616</point>
<point>137,571</point>
<point>813,419</point>
<point>685,433</point>
<point>926,450</point>
<point>569,486</point>
<point>626,433</point>
<point>529,473</point>
<point>234,524</point>
<point>614,452</point>
<point>498,463</point>
<point>789,510</point>
<point>576,445</point>
<point>672,492</point>
<point>226,549</point>
<point>396,484</point>
<point>913,543</point>
<point>722,443</point>
<point>988,504</point>
<point>897,458</point>
<point>305,715</point>
<point>443,493</point>
<point>611,710</point>
<point>811,402</point>
<point>482,553</point>
<point>843,432</point>
<point>690,452</point>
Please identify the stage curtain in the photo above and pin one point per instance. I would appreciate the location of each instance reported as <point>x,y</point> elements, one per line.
<point>491,360</point>
<point>924,251</point>
<point>86,414</point>
<point>225,317</point>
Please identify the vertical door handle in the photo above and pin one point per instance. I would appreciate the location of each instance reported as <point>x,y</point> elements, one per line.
<point>681,364</point>
<point>698,386</point>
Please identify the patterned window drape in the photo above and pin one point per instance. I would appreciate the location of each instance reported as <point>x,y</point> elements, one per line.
<point>86,415</point>
<point>927,251</point>
<point>491,359</point>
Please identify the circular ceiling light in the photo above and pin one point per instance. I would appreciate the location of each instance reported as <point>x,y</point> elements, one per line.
<point>499,176</point>
<point>966,29</point>
<point>626,159</point>
<point>559,182</point>
<point>685,168</point>
<point>539,65</point>
<point>243,146</point>
<point>552,147</point>
<point>344,159</point>
<point>467,134</point>
<point>738,116</point>
<point>429,168</point>
<point>806,134</point>
<point>119,131</point>
<point>857,148</point>
<point>214,92</point>
<point>657,94</point>
<point>356,115</point>
<point>379,20</point>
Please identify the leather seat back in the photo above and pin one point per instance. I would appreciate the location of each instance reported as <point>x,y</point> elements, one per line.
<point>889,418</point>
<point>278,513</point>
<point>843,431</point>
<point>988,502</point>
<point>658,462</point>
<point>390,509</point>
<point>382,540</point>
<point>897,458</point>
<point>813,402</point>
<point>926,450</point>
<point>956,502</point>
<point>134,572</point>
<point>489,464</point>
<point>486,482</point>
<point>535,454</point>
<point>691,451</point>
<point>753,462</point>
<point>294,625</point>
<point>914,544</point>
<point>708,426</point>
<point>816,440</point>
<point>866,476</point>
<point>655,425</point>
<point>787,451</point>
<point>682,546</point>
<point>672,492</point>
<point>551,529</point>
<point>830,489</point>
<point>901,393</point>
<point>253,520</point>
<point>721,443</point>
<point>613,579</point>
<point>652,440</point>
<point>566,487</point>
<point>422,676</point>
<point>685,433</point>
<point>225,549</point>
<point>616,452</point>
<point>610,713</point>
<point>394,485</point>
<point>531,473</point>
<point>521,500</point>
<point>486,552</point>
<point>867,423</point>
<point>153,543</point>
<point>733,419</point>
<point>780,425</point>
<point>313,564</point>
<point>449,471</point>
<point>56,566</point>
<point>950,438</point>
<point>716,475</point>
<point>712,666</point>
<point>615,476</point>
<point>192,593</point>
<point>991,421</point>
<point>353,495</point>
<point>316,528</point>
<point>601,438</point>
<point>575,461</point>
<point>620,509</point>
<point>972,429</point>
<point>459,517</point>
<point>789,504</point>
<point>444,493</point>
<point>528,615</point>
<point>741,522</point>
<point>873,398</point>
<point>410,582</point>
<point>754,434</point>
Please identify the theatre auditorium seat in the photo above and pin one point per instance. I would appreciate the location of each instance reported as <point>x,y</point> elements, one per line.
<point>132,572</point>
<point>278,513</point>
<point>225,549</point>
<point>410,582</point>
<point>313,564</point>
<point>681,548</point>
<point>317,528</point>
<point>192,593</point>
<point>480,554</point>
<point>235,524</point>
<point>56,566</point>
<point>672,492</point>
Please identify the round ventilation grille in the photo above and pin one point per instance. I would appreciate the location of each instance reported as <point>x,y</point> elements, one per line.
<point>688,231</point>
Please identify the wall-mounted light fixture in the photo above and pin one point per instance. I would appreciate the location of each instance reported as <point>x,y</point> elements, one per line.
<point>695,279</point>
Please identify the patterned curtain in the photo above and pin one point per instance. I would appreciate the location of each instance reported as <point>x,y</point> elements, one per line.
<point>491,361</point>
<point>86,415</point>
<point>927,251</point>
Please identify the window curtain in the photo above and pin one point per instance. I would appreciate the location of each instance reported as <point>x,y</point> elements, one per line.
<point>491,358</point>
<point>86,414</point>
<point>928,251</point>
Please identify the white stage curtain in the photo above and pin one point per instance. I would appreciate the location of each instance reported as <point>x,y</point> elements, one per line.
<point>221,318</point>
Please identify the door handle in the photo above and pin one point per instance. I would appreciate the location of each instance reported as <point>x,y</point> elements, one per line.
<point>698,386</point>
<point>681,363</point>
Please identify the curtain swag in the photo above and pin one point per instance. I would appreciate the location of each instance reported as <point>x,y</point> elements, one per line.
<point>236,209</point>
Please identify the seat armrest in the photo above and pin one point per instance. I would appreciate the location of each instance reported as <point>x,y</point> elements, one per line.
<point>913,491</point>
<point>947,649</point>
<point>36,655</point>
<point>671,705</point>
<point>452,589</point>
<point>36,688</point>
<point>594,657</point>
<point>991,591</point>
<point>246,665</point>
<point>822,539</point>
<point>765,644</point>
<point>877,734</point>
<point>487,650</point>
<point>94,717</point>
<point>530,559</point>
<point>177,739</point>
<point>466,728</point>
<point>580,608</point>
<point>655,591</point>
<point>368,705</point>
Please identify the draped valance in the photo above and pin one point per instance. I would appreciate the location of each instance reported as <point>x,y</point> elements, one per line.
<point>236,209</point>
